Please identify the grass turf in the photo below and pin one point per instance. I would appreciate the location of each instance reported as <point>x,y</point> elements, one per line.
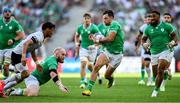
<point>125,89</point>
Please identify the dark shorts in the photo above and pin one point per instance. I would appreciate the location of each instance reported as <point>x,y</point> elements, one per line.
<point>15,58</point>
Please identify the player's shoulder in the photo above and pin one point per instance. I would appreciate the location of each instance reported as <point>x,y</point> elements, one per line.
<point>148,26</point>
<point>80,26</point>
<point>14,20</point>
<point>166,25</point>
<point>38,34</point>
<point>51,59</point>
<point>115,23</point>
<point>100,24</point>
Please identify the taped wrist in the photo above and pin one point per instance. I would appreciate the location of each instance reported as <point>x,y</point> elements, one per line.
<point>13,40</point>
<point>55,79</point>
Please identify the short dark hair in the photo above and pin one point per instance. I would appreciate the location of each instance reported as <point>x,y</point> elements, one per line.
<point>156,12</point>
<point>167,14</point>
<point>87,15</point>
<point>109,13</point>
<point>48,25</point>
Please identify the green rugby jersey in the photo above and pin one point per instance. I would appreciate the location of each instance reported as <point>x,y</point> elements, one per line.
<point>159,36</point>
<point>117,45</point>
<point>8,31</point>
<point>85,33</point>
<point>48,64</point>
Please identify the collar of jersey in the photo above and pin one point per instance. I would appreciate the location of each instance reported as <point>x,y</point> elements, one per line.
<point>88,26</point>
<point>7,22</point>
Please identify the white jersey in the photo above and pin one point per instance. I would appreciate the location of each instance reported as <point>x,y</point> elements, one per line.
<point>142,28</point>
<point>36,37</point>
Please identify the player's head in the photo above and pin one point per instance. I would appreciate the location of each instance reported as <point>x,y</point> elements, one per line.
<point>147,18</point>
<point>108,16</point>
<point>48,29</point>
<point>155,17</point>
<point>167,17</point>
<point>7,13</point>
<point>87,18</point>
<point>60,54</point>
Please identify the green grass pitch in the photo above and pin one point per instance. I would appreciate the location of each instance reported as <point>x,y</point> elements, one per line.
<point>125,89</point>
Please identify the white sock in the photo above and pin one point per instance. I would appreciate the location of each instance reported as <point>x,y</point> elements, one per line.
<point>17,92</point>
<point>13,78</point>
<point>148,70</point>
<point>10,84</point>
<point>163,83</point>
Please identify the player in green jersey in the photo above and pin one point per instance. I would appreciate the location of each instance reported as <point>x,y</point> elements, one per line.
<point>167,73</point>
<point>112,54</point>
<point>162,39</point>
<point>11,33</point>
<point>88,51</point>
<point>36,79</point>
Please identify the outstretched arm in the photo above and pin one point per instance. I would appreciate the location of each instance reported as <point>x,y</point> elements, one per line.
<point>57,81</point>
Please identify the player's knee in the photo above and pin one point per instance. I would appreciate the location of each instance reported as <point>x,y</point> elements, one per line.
<point>32,91</point>
<point>160,71</point>
<point>24,74</point>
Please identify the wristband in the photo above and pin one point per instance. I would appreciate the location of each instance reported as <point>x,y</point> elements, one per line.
<point>13,40</point>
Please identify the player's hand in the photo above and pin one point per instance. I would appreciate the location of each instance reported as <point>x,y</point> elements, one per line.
<point>23,60</point>
<point>39,67</point>
<point>63,89</point>
<point>10,42</point>
<point>171,44</point>
<point>146,46</point>
<point>91,47</point>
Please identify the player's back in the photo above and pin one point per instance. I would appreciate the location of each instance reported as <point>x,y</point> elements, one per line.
<point>37,39</point>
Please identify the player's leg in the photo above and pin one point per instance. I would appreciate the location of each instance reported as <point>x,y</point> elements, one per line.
<point>17,78</point>
<point>84,61</point>
<point>7,61</point>
<point>154,62</point>
<point>166,71</point>
<point>114,61</point>
<point>108,75</point>
<point>148,70</point>
<point>1,60</point>
<point>142,82</point>
<point>92,58</point>
<point>163,62</point>
<point>32,88</point>
<point>102,60</point>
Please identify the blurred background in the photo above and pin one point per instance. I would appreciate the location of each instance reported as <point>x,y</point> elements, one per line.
<point>67,15</point>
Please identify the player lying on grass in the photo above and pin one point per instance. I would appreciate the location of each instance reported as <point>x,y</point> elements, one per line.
<point>36,79</point>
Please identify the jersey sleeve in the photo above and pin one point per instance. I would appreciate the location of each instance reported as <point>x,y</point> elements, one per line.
<point>145,32</point>
<point>96,29</point>
<point>78,31</point>
<point>170,28</point>
<point>52,66</point>
<point>18,28</point>
<point>36,38</point>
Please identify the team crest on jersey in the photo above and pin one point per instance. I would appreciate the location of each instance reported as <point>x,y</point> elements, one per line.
<point>162,29</point>
<point>10,27</point>
<point>1,27</point>
<point>88,32</point>
<point>152,30</point>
